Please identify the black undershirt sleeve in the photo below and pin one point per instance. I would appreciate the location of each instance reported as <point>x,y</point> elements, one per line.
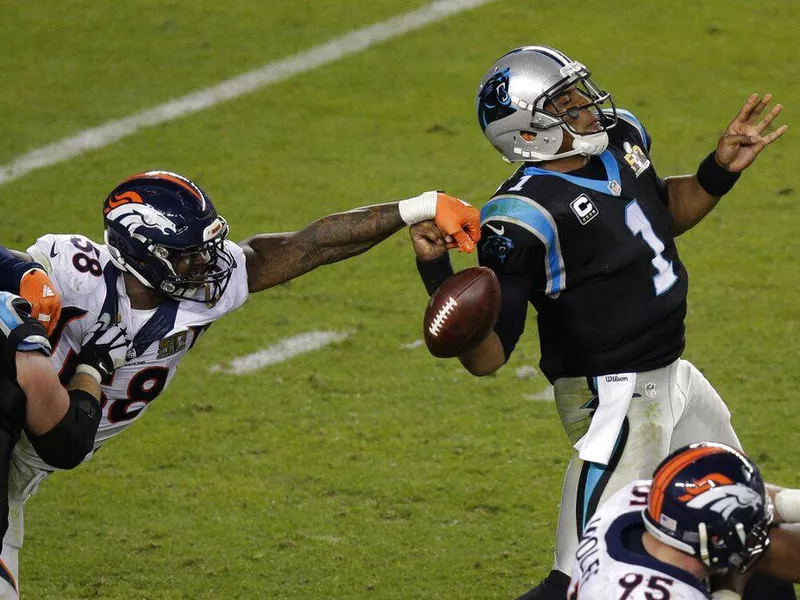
<point>513,309</point>
<point>517,258</point>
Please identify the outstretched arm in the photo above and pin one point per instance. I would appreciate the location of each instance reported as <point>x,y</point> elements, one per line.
<point>274,258</point>
<point>692,197</point>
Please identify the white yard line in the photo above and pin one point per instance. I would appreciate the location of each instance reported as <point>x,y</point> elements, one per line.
<point>351,43</point>
<point>548,394</point>
<point>280,352</point>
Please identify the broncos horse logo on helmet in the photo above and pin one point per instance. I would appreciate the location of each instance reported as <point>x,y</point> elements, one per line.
<point>163,229</point>
<point>709,501</point>
<point>718,493</point>
<point>134,217</point>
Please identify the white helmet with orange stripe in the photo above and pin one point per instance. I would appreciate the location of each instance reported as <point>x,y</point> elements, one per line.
<point>709,501</point>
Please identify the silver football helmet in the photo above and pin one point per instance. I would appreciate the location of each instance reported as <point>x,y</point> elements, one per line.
<point>517,95</point>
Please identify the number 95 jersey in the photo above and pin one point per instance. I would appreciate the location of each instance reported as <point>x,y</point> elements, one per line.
<point>612,564</point>
<point>89,285</point>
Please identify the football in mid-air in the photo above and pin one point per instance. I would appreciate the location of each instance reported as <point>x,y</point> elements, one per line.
<point>462,312</point>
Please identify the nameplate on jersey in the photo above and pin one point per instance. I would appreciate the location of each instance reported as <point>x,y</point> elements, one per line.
<point>584,209</point>
<point>172,344</point>
<point>636,158</point>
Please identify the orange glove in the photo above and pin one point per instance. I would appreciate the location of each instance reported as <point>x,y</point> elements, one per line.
<point>458,220</point>
<point>36,287</point>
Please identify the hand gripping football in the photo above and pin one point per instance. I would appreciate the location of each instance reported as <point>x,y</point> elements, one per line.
<point>462,312</point>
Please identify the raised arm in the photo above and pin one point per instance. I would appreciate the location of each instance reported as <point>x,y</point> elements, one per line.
<point>274,258</point>
<point>692,197</point>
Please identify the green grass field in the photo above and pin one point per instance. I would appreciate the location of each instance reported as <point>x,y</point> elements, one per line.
<point>365,469</point>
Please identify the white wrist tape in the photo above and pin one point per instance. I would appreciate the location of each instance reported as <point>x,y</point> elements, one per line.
<point>90,371</point>
<point>725,595</point>
<point>787,504</point>
<point>420,208</point>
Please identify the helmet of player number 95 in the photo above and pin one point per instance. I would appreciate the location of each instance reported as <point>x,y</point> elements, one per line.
<point>163,229</point>
<point>518,94</point>
<point>708,500</point>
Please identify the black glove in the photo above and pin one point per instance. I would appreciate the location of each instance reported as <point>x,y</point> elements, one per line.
<point>19,332</point>
<point>103,351</point>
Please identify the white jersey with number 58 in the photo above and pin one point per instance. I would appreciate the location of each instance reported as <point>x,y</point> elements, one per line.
<point>76,267</point>
<point>611,564</point>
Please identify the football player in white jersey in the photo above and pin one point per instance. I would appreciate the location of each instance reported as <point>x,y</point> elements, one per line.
<point>706,513</point>
<point>165,272</point>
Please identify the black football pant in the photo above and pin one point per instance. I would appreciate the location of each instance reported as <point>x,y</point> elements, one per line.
<point>761,587</point>
<point>12,415</point>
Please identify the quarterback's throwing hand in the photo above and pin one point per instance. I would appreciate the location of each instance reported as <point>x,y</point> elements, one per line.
<point>103,351</point>
<point>743,141</point>
<point>36,287</point>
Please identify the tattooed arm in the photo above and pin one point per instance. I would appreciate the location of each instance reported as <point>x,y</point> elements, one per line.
<point>274,258</point>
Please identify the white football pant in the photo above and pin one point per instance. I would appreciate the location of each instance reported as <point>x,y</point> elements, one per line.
<point>671,407</point>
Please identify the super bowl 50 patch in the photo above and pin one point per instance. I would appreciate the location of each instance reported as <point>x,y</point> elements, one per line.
<point>636,159</point>
<point>172,344</point>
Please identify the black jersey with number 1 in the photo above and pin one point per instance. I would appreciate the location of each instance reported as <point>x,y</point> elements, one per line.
<point>593,251</point>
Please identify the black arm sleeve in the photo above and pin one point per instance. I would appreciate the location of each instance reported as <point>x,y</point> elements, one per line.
<point>516,257</point>
<point>67,444</point>
<point>513,310</point>
<point>434,272</point>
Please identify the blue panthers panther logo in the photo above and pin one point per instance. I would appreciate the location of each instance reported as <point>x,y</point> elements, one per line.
<point>497,247</point>
<point>495,103</point>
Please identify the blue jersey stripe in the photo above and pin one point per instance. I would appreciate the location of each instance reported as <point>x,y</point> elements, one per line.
<point>535,218</point>
<point>629,117</point>
<point>592,479</point>
<point>604,187</point>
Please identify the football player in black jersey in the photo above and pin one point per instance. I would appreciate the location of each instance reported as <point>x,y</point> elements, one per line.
<point>60,422</point>
<point>584,231</point>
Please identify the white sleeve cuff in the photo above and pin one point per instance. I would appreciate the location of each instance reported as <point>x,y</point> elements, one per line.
<point>725,595</point>
<point>787,505</point>
<point>90,371</point>
<point>418,209</point>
